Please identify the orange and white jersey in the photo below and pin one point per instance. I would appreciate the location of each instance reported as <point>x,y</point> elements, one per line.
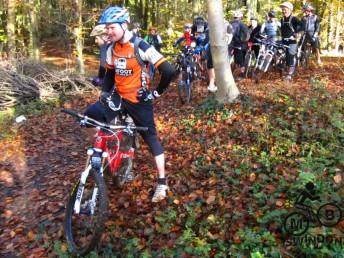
<point>129,74</point>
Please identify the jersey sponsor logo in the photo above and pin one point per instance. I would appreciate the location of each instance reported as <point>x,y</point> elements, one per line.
<point>124,72</point>
<point>121,63</point>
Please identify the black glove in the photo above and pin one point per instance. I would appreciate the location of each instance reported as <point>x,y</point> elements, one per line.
<point>147,95</point>
<point>104,97</point>
<point>96,81</point>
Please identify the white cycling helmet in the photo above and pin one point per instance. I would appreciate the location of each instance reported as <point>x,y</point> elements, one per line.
<point>98,30</point>
<point>238,14</point>
<point>287,5</point>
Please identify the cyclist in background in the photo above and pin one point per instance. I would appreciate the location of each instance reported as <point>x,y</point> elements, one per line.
<point>290,26</point>
<point>101,39</point>
<point>126,84</point>
<point>239,42</point>
<point>200,31</point>
<point>154,39</point>
<point>271,26</point>
<point>254,30</point>
<point>137,29</point>
<point>187,37</point>
<point>311,28</point>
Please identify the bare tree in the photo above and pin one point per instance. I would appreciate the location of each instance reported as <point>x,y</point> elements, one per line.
<point>33,28</point>
<point>79,37</point>
<point>11,23</point>
<point>227,89</point>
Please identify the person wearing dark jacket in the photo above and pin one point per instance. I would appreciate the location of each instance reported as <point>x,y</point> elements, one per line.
<point>254,30</point>
<point>311,28</point>
<point>290,26</point>
<point>239,41</point>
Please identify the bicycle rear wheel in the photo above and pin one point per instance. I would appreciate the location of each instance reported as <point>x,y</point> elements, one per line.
<point>83,231</point>
<point>124,172</point>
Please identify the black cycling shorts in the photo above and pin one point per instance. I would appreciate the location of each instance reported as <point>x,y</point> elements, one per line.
<point>142,114</point>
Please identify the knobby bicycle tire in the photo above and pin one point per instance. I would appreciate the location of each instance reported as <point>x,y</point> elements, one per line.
<point>88,242</point>
<point>248,60</point>
<point>184,91</point>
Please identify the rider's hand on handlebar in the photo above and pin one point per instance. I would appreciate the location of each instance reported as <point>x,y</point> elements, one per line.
<point>147,95</point>
<point>104,97</point>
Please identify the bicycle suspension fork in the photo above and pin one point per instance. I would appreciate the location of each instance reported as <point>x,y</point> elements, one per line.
<point>95,159</point>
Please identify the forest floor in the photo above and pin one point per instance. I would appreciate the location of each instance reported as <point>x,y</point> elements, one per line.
<point>233,170</point>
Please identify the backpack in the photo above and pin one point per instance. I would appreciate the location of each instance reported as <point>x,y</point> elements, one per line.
<point>240,32</point>
<point>289,23</point>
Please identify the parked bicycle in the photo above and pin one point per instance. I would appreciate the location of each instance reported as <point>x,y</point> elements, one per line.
<point>250,59</point>
<point>273,53</point>
<point>304,51</point>
<point>112,152</point>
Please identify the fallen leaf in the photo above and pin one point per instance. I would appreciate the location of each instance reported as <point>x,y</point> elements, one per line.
<point>211,199</point>
<point>337,179</point>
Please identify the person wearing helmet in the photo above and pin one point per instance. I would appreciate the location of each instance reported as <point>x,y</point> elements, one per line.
<point>187,37</point>
<point>311,28</point>
<point>126,84</point>
<point>136,29</point>
<point>290,26</point>
<point>199,31</point>
<point>271,26</point>
<point>239,41</point>
<point>101,39</point>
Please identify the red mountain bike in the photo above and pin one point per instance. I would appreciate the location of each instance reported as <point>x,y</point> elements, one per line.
<point>113,151</point>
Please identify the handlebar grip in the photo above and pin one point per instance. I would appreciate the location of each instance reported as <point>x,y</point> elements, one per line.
<point>71,112</point>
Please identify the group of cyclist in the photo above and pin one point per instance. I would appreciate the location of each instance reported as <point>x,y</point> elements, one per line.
<point>289,27</point>
<point>125,81</point>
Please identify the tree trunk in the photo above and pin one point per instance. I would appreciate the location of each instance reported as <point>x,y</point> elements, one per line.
<point>11,23</point>
<point>330,28</point>
<point>33,27</point>
<point>338,27</point>
<point>227,89</point>
<point>79,38</point>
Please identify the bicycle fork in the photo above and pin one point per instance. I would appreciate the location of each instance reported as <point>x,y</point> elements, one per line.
<point>93,161</point>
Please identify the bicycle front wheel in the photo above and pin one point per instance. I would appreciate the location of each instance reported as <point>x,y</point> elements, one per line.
<point>83,230</point>
<point>248,62</point>
<point>184,91</point>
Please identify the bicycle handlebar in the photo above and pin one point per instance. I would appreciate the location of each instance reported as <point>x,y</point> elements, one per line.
<point>90,121</point>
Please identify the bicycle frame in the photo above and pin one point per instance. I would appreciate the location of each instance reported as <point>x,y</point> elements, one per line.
<point>114,156</point>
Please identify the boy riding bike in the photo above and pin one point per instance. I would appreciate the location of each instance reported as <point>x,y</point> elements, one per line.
<point>126,84</point>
